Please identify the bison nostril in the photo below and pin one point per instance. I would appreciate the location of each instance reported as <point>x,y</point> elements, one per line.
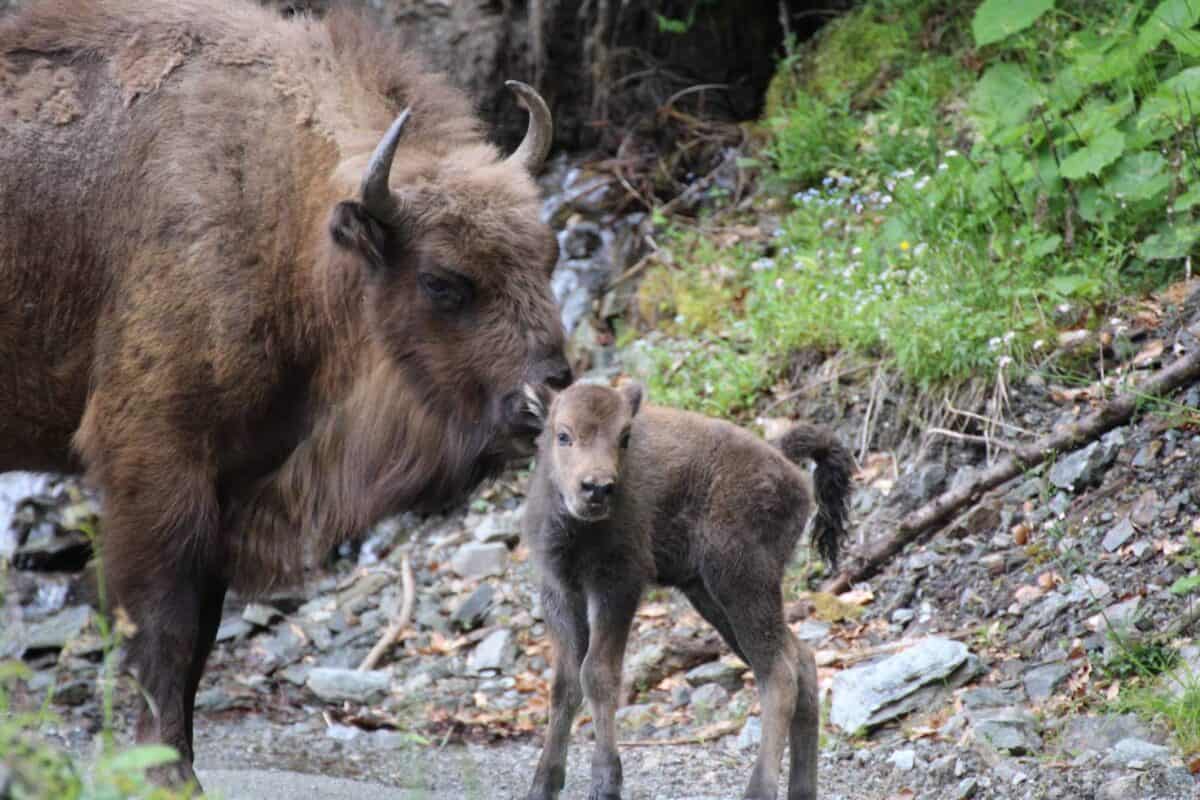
<point>606,489</point>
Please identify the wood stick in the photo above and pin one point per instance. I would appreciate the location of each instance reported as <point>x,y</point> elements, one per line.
<point>942,508</point>
<point>398,624</point>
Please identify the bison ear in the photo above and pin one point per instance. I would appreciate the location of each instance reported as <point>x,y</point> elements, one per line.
<point>354,229</point>
<point>633,392</point>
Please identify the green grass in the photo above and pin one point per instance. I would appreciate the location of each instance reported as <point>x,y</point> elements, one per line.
<point>949,205</point>
<point>1179,710</point>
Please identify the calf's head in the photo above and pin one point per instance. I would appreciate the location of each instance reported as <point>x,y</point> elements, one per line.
<point>457,266</point>
<point>586,433</point>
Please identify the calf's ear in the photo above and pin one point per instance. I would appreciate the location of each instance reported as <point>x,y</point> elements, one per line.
<point>352,228</point>
<point>538,400</point>
<point>633,392</point>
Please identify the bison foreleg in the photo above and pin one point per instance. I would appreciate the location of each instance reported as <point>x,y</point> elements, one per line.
<point>165,580</point>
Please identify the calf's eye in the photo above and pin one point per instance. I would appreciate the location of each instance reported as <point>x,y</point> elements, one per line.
<point>564,439</point>
<point>624,440</point>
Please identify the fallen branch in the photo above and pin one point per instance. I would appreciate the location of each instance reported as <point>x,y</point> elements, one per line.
<point>941,509</point>
<point>398,624</point>
<point>715,731</point>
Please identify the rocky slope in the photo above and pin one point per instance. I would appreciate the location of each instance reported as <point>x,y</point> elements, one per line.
<point>988,661</point>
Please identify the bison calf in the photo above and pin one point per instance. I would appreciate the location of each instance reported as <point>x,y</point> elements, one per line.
<point>621,499</point>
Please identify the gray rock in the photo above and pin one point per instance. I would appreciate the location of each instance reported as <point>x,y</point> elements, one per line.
<point>750,736</point>
<point>479,559</point>
<point>74,693</point>
<point>233,628</point>
<point>710,695</point>
<point>335,685</point>
<point>1186,674</point>
<point>285,646</point>
<point>965,789</point>
<point>1085,466</point>
<point>470,612</point>
<point>500,526</point>
<point>495,652</point>
<point>903,760</point>
<point>986,697</point>
<point>812,630</point>
<point>1099,733</point>
<point>869,695</point>
<point>1136,754</point>
<point>1011,731</point>
<point>636,716</point>
<point>260,614</point>
<point>214,699</point>
<point>1123,788</point>
<point>1118,535</point>
<point>57,629</point>
<point>726,674</point>
<point>1042,681</point>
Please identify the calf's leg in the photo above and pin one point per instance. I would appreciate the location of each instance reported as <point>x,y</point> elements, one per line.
<point>610,614</point>
<point>755,613</point>
<point>566,621</point>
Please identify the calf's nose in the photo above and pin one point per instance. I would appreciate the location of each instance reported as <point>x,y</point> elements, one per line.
<point>598,489</point>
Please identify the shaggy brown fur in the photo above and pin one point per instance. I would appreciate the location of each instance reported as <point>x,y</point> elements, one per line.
<point>194,307</point>
<point>621,499</point>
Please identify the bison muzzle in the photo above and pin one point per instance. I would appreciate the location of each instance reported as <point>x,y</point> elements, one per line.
<point>266,282</point>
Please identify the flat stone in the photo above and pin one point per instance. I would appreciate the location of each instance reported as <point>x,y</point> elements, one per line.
<point>1118,535</point>
<point>986,697</point>
<point>470,612</point>
<point>493,653</point>
<point>57,629</point>
<point>335,685</point>
<point>636,716</point>
<point>903,760</point>
<point>710,695</point>
<point>1123,788</point>
<point>750,736</point>
<point>499,526</point>
<point>233,628</point>
<point>1011,731</point>
<point>727,674</point>
<point>1186,674</point>
<point>1042,681</point>
<point>1145,510</point>
<point>1099,733</point>
<point>261,614</point>
<point>480,559</point>
<point>867,696</point>
<point>1136,754</point>
<point>812,630</point>
<point>965,789</point>
<point>1085,466</point>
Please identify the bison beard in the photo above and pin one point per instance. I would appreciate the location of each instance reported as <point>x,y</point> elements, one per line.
<point>258,316</point>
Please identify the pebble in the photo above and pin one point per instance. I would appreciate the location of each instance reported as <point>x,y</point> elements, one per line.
<point>480,559</point>
<point>727,674</point>
<point>903,760</point>
<point>493,653</point>
<point>334,685</point>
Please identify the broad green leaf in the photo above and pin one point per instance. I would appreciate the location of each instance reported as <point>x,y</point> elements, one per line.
<point>1170,243</point>
<point>1004,97</point>
<point>1171,17</point>
<point>1188,199</point>
<point>997,19</point>
<point>1099,116</point>
<point>1176,100</point>
<point>1044,245</point>
<point>1138,176</point>
<point>1068,285</point>
<point>1186,42</point>
<point>1096,206</point>
<point>1090,160</point>
<point>1185,585</point>
<point>142,757</point>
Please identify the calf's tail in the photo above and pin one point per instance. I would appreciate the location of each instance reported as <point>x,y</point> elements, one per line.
<point>835,466</point>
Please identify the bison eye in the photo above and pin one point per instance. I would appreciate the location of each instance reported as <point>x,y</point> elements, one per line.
<point>625,440</point>
<point>446,292</point>
<point>564,438</point>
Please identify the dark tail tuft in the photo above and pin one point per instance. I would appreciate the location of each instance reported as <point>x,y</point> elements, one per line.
<point>835,466</point>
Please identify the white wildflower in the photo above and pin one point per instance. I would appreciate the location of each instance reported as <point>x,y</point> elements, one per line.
<point>1039,344</point>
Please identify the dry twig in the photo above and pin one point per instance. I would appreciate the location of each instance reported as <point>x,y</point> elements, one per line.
<point>398,624</point>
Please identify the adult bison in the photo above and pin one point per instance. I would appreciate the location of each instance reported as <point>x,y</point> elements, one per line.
<point>258,316</point>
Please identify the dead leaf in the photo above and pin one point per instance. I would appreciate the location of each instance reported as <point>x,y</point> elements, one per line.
<point>858,597</point>
<point>1049,580</point>
<point>1194,765</point>
<point>1149,355</point>
<point>1020,533</point>
<point>1027,593</point>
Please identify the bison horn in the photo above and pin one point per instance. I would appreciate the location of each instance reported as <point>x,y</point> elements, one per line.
<point>376,196</point>
<point>536,144</point>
